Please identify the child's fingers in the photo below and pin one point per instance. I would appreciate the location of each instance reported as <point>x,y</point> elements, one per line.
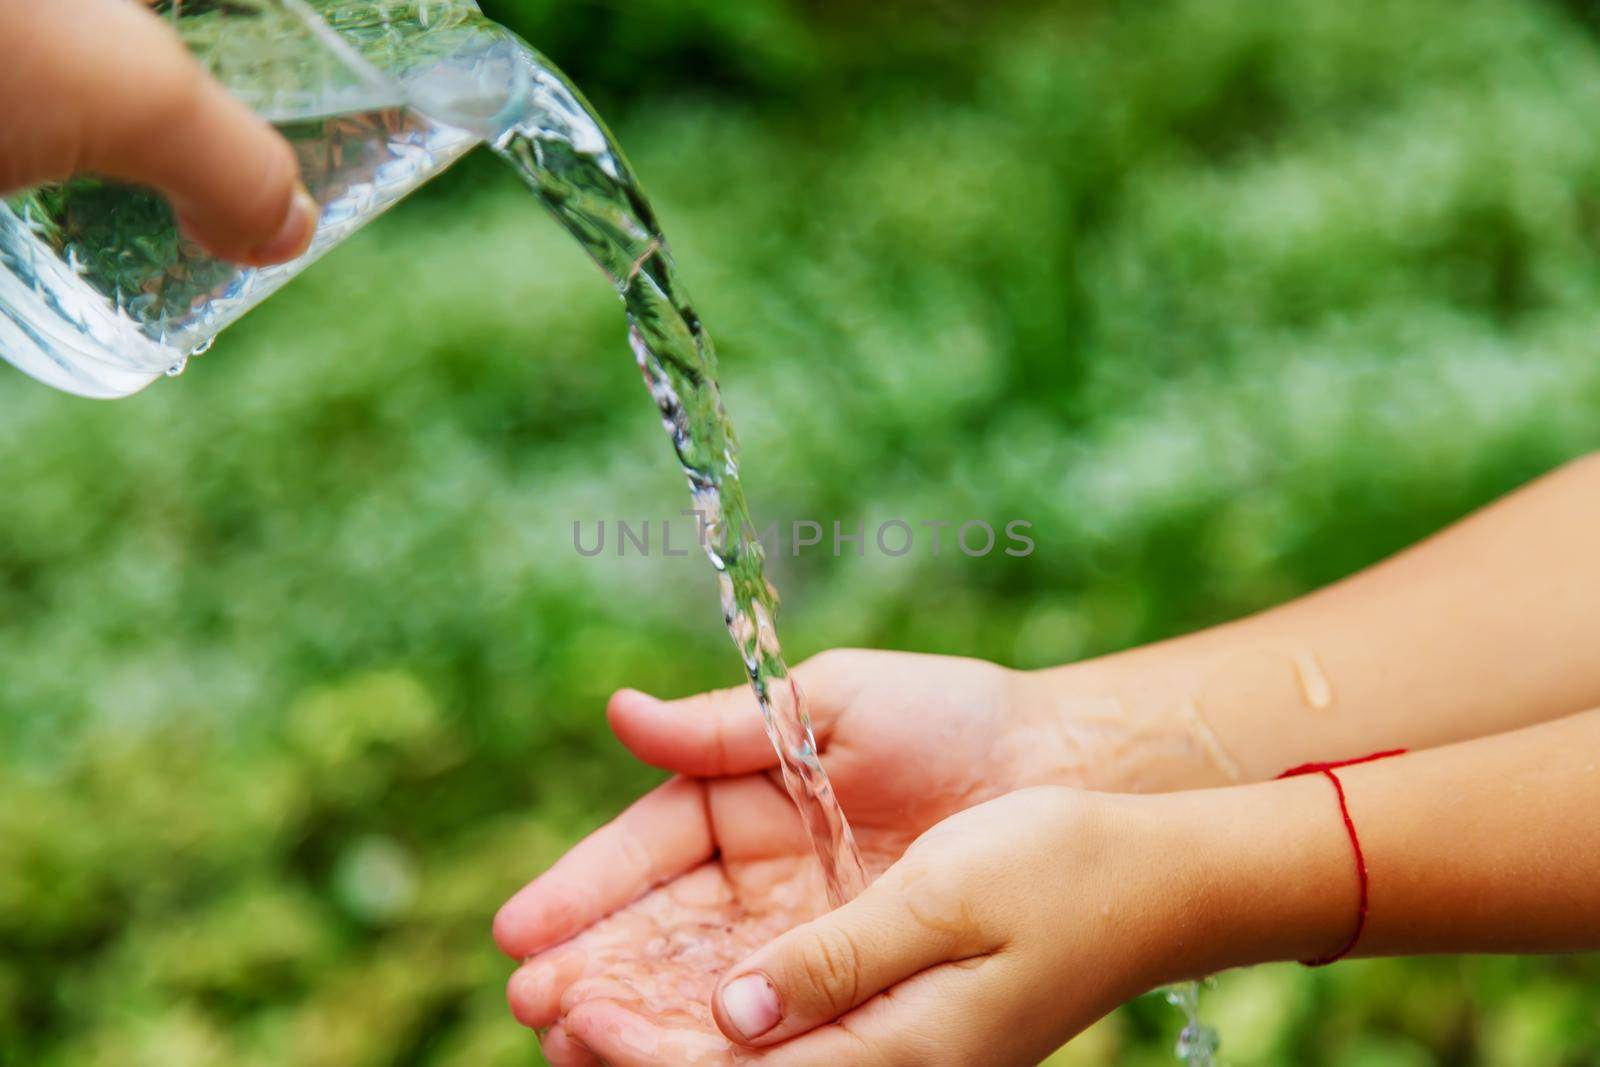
<point>710,735</point>
<point>621,1037</point>
<point>720,733</point>
<point>661,836</point>
<point>944,1015</point>
<point>535,990</point>
<point>903,924</point>
<point>755,820</point>
<point>562,1050</point>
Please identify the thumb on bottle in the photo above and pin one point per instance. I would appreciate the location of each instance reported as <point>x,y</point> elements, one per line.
<point>232,179</point>
<point>116,93</point>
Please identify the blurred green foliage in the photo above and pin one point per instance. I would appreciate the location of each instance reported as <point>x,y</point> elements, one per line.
<point>300,675</point>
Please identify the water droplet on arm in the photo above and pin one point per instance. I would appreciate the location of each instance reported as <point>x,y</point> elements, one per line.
<point>1208,739</point>
<point>1314,684</point>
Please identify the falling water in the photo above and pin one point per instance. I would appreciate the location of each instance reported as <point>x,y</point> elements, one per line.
<point>565,154</point>
<point>1197,1042</point>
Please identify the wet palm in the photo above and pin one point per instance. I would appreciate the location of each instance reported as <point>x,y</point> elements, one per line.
<point>627,937</point>
<point>643,976</point>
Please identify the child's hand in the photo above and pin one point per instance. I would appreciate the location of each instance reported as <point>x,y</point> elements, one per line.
<point>998,935</point>
<point>734,870</point>
<point>908,740</point>
<point>1002,931</point>
<point>102,86</point>
<point>1009,926</point>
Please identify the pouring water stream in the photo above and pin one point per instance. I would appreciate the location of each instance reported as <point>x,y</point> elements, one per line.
<point>564,153</point>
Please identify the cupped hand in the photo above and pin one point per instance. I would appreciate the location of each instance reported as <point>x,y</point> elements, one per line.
<point>907,739</point>
<point>719,858</point>
<point>103,87</point>
<point>681,887</point>
<point>994,938</point>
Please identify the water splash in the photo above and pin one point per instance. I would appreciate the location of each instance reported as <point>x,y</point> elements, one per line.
<point>1197,1042</point>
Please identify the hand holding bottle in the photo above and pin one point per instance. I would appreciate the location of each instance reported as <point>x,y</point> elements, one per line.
<point>103,87</point>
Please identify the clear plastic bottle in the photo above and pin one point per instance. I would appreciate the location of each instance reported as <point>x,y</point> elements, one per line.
<point>99,293</point>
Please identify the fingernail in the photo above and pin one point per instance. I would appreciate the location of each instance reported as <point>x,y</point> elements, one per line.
<point>294,236</point>
<point>751,1006</point>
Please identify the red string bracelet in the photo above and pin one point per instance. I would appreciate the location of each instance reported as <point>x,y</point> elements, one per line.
<point>1327,770</point>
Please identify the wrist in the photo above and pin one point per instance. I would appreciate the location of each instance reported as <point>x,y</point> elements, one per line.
<point>1264,872</point>
<point>1126,724</point>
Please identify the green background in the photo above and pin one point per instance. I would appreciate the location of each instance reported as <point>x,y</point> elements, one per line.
<point>300,675</point>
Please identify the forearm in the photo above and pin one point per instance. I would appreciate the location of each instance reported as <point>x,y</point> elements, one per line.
<point>1485,628</point>
<point>1490,845</point>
